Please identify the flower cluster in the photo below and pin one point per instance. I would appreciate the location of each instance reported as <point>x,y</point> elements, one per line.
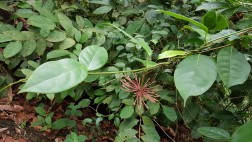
<point>143,90</point>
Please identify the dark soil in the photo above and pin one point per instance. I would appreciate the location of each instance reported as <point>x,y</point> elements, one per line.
<point>15,124</point>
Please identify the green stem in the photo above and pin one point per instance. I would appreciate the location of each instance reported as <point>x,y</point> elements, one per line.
<point>9,85</point>
<point>131,71</point>
<point>223,37</point>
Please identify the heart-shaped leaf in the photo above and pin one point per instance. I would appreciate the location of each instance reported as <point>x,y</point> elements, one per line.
<point>195,75</point>
<point>55,76</point>
<point>233,68</point>
<point>93,57</point>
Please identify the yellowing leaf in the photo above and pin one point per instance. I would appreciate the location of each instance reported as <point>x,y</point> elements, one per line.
<point>171,53</point>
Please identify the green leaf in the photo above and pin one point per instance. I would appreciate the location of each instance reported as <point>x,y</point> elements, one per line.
<point>43,11</point>
<point>56,36</point>
<point>4,38</point>
<point>28,48</point>
<point>243,133</point>
<point>139,41</point>
<point>178,16</point>
<point>209,19</point>
<point>41,47</point>
<point>171,53</point>
<point>134,27</point>
<point>16,35</point>
<point>50,96</point>
<point>233,68</point>
<point>93,57</point>
<point>151,134</point>
<point>24,13</point>
<point>214,133</point>
<point>65,22</point>
<point>12,49</point>
<point>6,6</point>
<point>102,10</point>
<point>212,5</point>
<point>126,112</point>
<point>80,21</point>
<point>221,23</point>
<point>85,36</point>
<point>67,43</point>
<point>195,75</point>
<point>57,53</point>
<point>40,111</point>
<point>62,123</point>
<point>41,22</point>
<point>154,108</point>
<point>62,75</point>
<point>170,113</point>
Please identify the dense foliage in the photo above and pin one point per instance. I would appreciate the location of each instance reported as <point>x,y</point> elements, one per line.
<point>148,63</point>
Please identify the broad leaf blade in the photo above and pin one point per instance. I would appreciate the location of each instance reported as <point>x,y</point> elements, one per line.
<point>170,113</point>
<point>65,22</point>
<point>126,112</point>
<point>214,133</point>
<point>55,76</point>
<point>243,133</point>
<point>41,22</point>
<point>195,75</point>
<point>93,57</point>
<point>102,10</point>
<point>12,49</point>
<point>233,68</point>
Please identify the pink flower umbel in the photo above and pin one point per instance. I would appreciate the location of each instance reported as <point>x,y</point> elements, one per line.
<point>142,89</point>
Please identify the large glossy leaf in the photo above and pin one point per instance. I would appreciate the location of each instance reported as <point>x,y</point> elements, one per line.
<point>243,133</point>
<point>178,16</point>
<point>233,68</point>
<point>195,75</point>
<point>55,76</point>
<point>12,49</point>
<point>93,57</point>
<point>214,133</point>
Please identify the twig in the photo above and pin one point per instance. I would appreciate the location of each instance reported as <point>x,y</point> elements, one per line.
<point>164,131</point>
